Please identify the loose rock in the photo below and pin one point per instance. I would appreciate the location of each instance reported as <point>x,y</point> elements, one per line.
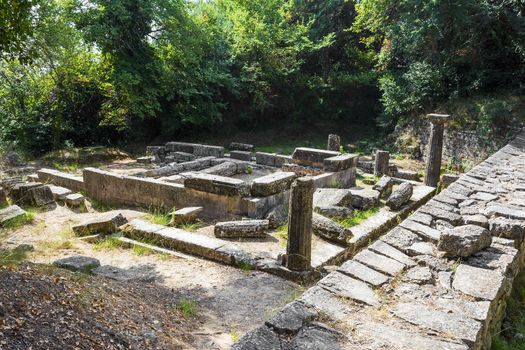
<point>400,196</point>
<point>384,186</point>
<point>463,241</point>
<point>329,229</point>
<point>241,229</point>
<point>106,223</point>
<point>78,263</point>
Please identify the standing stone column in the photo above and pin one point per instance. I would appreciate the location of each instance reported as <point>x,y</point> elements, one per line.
<point>299,247</point>
<point>334,143</point>
<point>381,163</point>
<point>435,148</point>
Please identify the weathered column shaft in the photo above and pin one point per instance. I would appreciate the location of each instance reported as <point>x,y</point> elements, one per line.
<point>299,247</point>
<point>435,149</point>
<point>334,143</point>
<point>381,163</point>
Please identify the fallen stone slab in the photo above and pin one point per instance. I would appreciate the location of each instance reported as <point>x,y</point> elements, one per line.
<point>216,184</point>
<point>400,238</point>
<point>222,169</point>
<point>271,184</point>
<point>75,200</point>
<point>357,270</point>
<point>420,248</point>
<point>318,336</point>
<point>404,174</point>
<point>457,325</point>
<point>208,151</point>
<point>145,160</point>
<point>463,241</point>
<point>174,169</point>
<point>79,263</point>
<point>264,158</point>
<point>182,156</point>
<point>419,275</point>
<point>400,196</point>
<point>506,212</point>
<point>241,229</point>
<point>426,232</point>
<point>329,229</point>
<point>12,212</point>
<point>364,199</point>
<point>262,338</point>
<point>479,283</point>
<point>140,273</point>
<point>31,194</point>
<point>340,162</point>
<point>326,197</point>
<point>241,155</point>
<point>312,156</point>
<point>484,197</point>
<point>506,228</point>
<point>185,215</point>
<point>292,318</point>
<point>106,223</point>
<point>59,193</point>
<point>237,146</point>
<point>334,212</point>
<point>347,287</point>
<point>384,186</point>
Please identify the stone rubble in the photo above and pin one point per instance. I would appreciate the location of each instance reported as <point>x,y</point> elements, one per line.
<point>400,196</point>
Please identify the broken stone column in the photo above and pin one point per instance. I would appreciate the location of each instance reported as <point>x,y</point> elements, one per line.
<point>435,148</point>
<point>381,163</point>
<point>299,247</point>
<point>334,143</point>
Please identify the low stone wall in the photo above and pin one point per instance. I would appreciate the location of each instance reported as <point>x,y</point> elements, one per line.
<point>399,293</point>
<point>74,183</point>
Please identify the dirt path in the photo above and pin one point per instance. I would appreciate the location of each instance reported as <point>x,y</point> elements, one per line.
<point>230,301</point>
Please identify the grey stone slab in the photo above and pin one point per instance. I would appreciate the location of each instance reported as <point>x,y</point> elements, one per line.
<point>379,262</point>
<point>78,263</point>
<point>105,223</point>
<point>347,287</point>
<point>478,310</point>
<point>332,197</point>
<point>440,214</point>
<point>495,258</point>
<point>507,228</point>
<point>384,186</point>
<point>400,196</point>
<point>340,162</point>
<point>363,273</point>
<point>262,338</point>
<point>329,304</point>
<point>364,198</point>
<point>264,158</point>
<point>216,184</point>
<point>312,156</point>
<point>334,211</point>
<point>459,326</point>
<point>10,213</point>
<point>422,218</point>
<point>292,318</point>
<point>241,229</point>
<point>483,196</point>
<point>241,155</point>
<point>390,337</point>
<point>400,238</point>
<point>272,184</point>
<point>420,248</point>
<point>317,337</point>
<point>59,193</point>
<point>237,146</point>
<point>478,219</point>
<point>330,230</point>
<point>385,249</point>
<point>74,199</point>
<point>423,231</point>
<point>477,282</point>
<point>419,275</point>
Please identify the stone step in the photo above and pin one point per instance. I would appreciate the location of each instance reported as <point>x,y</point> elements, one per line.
<point>128,242</point>
<point>59,193</point>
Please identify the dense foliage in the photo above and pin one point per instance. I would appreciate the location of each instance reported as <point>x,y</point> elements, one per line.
<point>76,72</point>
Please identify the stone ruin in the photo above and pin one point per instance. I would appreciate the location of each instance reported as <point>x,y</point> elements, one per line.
<point>422,273</point>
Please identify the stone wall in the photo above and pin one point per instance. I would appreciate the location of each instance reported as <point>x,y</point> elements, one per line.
<point>72,182</point>
<point>401,293</point>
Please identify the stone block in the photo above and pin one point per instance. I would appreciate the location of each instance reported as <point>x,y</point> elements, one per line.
<point>78,263</point>
<point>145,160</point>
<point>334,143</point>
<point>106,223</point>
<point>74,199</point>
<point>406,174</point>
<point>208,151</point>
<point>241,155</point>
<point>330,230</point>
<point>340,162</point>
<point>301,170</point>
<point>180,147</point>
<point>478,219</point>
<point>332,211</point>
<point>236,146</point>
<point>324,197</point>
<point>400,196</point>
<point>292,318</point>
<point>272,184</point>
<point>73,182</point>
<point>59,193</point>
<point>280,160</point>
<point>241,229</point>
<point>312,156</point>
<point>357,270</point>
<point>216,184</point>
<point>379,262</point>
<point>506,228</point>
<point>364,199</point>
<point>463,241</point>
<point>384,186</point>
<point>479,283</point>
<point>185,215</point>
<point>222,169</point>
<point>264,158</point>
<point>12,212</point>
<point>347,287</point>
<point>447,179</point>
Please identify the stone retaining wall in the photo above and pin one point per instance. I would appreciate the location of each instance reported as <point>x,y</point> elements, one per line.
<point>72,182</point>
<point>399,293</point>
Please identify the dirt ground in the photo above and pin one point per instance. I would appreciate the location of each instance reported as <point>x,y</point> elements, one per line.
<point>229,301</point>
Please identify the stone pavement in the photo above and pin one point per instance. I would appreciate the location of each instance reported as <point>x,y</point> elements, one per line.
<point>401,293</point>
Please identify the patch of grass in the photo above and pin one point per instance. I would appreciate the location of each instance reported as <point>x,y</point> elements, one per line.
<point>141,250</point>
<point>108,243</point>
<point>21,220</point>
<point>13,257</point>
<point>249,170</point>
<point>66,167</point>
<point>160,217</point>
<point>357,217</point>
<point>60,245</point>
<point>334,183</point>
<point>245,267</point>
<point>191,227</point>
<point>188,308</point>
<point>282,233</point>
<point>100,206</point>
<point>513,336</point>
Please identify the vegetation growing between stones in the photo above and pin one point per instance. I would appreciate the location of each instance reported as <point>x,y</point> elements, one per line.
<point>21,220</point>
<point>13,257</point>
<point>357,217</point>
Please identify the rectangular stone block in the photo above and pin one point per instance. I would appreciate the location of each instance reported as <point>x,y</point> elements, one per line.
<point>236,146</point>
<point>341,162</point>
<point>10,213</point>
<point>241,155</point>
<point>241,229</point>
<point>312,156</point>
<point>272,184</point>
<point>73,182</point>
<point>280,160</point>
<point>180,147</point>
<point>208,151</point>
<point>264,158</point>
<point>216,184</point>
